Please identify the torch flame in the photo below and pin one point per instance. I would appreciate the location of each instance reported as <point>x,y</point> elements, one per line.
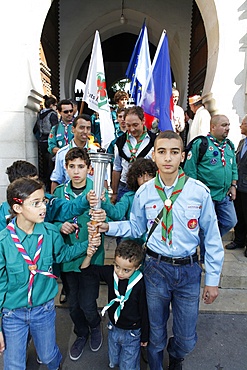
<point>92,144</point>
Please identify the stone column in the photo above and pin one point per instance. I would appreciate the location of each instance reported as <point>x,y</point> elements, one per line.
<point>21,87</point>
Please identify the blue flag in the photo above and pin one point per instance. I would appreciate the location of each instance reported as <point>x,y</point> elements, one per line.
<point>139,65</point>
<point>157,96</point>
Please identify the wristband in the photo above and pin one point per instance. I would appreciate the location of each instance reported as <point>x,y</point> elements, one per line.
<point>235,186</point>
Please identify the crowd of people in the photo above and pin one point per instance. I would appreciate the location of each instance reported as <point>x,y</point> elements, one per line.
<point>167,207</point>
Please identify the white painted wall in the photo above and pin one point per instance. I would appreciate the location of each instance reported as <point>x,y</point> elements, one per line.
<point>21,88</point>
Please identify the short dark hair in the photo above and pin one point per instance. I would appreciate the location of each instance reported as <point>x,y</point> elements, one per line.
<point>169,134</point>
<point>74,153</point>
<point>139,168</point>
<point>84,116</point>
<point>120,95</point>
<point>49,100</point>
<point>135,110</point>
<point>119,110</point>
<point>21,189</point>
<point>20,169</point>
<point>130,250</point>
<point>64,102</point>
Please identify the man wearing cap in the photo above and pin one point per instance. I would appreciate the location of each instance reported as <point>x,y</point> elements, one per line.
<point>201,121</point>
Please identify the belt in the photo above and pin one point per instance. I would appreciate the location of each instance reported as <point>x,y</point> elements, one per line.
<point>174,261</point>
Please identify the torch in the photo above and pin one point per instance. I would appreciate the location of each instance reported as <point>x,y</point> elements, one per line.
<point>99,160</point>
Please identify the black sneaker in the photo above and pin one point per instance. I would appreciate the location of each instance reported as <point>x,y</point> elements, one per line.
<point>175,363</point>
<point>96,338</point>
<point>77,348</point>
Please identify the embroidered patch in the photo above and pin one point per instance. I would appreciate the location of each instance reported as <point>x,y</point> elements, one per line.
<point>60,143</point>
<point>189,155</point>
<point>192,224</point>
<point>215,153</point>
<point>213,161</point>
<point>51,136</point>
<point>211,148</point>
<point>151,207</point>
<point>194,206</point>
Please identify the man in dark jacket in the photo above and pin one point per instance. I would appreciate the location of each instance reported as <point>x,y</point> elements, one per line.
<point>240,202</point>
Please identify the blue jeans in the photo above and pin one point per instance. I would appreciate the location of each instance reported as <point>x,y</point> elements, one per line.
<point>179,286</point>
<point>40,321</point>
<point>83,293</point>
<point>226,215</point>
<point>227,219</point>
<point>124,347</point>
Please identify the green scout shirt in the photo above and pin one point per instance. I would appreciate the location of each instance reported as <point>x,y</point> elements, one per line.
<point>14,272</point>
<point>56,209</point>
<point>210,170</point>
<point>83,219</point>
<point>121,209</point>
<point>4,214</point>
<point>56,137</point>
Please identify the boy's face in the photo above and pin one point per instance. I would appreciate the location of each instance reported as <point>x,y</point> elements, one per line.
<point>77,171</point>
<point>167,155</point>
<point>121,121</point>
<point>122,103</point>
<point>124,268</point>
<point>141,179</point>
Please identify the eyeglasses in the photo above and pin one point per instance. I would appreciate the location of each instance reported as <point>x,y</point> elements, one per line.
<point>67,111</point>
<point>38,203</point>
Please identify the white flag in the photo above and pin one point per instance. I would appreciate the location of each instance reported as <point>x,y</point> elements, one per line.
<point>95,94</point>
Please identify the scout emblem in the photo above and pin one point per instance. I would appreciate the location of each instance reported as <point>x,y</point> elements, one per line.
<point>192,224</point>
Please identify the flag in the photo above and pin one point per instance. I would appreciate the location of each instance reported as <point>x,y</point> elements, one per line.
<point>139,66</point>
<point>95,94</point>
<point>157,95</point>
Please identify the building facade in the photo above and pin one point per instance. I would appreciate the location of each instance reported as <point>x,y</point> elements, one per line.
<point>224,76</point>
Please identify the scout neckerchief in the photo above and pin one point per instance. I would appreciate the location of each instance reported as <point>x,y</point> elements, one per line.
<point>32,264</point>
<point>166,223</point>
<point>66,136</point>
<point>221,148</point>
<point>75,219</point>
<point>134,150</point>
<point>133,280</point>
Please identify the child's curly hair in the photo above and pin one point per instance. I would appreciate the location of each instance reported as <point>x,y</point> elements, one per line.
<point>139,168</point>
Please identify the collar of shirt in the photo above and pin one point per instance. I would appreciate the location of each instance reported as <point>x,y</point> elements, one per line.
<point>38,230</point>
<point>133,138</point>
<point>168,189</point>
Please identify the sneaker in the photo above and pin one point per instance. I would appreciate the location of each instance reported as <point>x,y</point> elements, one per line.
<point>96,338</point>
<point>175,363</point>
<point>245,252</point>
<point>63,296</point>
<point>233,245</point>
<point>77,348</point>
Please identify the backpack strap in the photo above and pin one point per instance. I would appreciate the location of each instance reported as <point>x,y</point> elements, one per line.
<point>122,140</point>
